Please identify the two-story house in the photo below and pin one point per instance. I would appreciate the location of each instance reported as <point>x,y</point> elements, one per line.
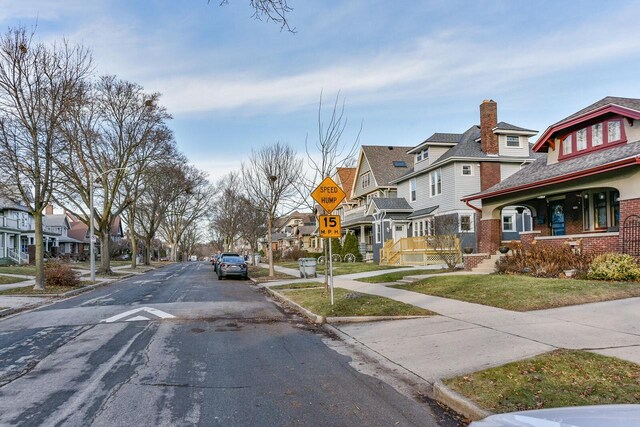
<point>60,224</point>
<point>449,166</point>
<point>376,169</point>
<point>586,190</point>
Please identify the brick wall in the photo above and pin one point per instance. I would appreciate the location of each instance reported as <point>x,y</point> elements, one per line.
<point>627,208</point>
<point>489,174</point>
<point>490,236</point>
<point>592,245</point>
<point>471,261</point>
<point>488,121</point>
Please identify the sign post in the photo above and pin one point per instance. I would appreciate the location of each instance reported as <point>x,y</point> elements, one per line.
<point>329,195</point>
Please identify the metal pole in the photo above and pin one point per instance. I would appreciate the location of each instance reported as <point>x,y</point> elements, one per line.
<point>331,268</point>
<point>92,261</point>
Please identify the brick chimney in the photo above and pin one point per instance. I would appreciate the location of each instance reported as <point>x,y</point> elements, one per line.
<point>49,209</point>
<point>488,121</point>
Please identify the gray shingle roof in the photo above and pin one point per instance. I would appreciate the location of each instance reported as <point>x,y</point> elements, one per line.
<point>631,103</point>
<point>381,160</point>
<point>359,220</point>
<point>391,203</point>
<point>423,212</point>
<point>57,220</point>
<point>508,126</point>
<point>540,170</point>
<point>449,138</point>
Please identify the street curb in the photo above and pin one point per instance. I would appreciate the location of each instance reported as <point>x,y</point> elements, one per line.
<point>306,313</point>
<point>362,319</point>
<point>458,402</point>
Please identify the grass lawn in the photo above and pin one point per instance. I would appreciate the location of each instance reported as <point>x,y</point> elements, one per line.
<point>85,265</point>
<point>340,268</point>
<point>26,270</point>
<point>559,378</point>
<point>397,275</point>
<point>307,285</point>
<point>6,280</point>
<point>522,293</point>
<point>261,275</point>
<point>28,290</point>
<point>358,305</point>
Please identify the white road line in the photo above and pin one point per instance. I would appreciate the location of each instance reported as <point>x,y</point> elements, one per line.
<point>134,319</point>
<point>154,311</point>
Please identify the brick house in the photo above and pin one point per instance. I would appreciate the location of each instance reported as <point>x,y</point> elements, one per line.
<point>586,189</point>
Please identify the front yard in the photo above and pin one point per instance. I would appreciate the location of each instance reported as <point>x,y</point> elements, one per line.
<point>261,275</point>
<point>559,378</point>
<point>398,275</point>
<point>8,280</point>
<point>49,290</point>
<point>25,270</point>
<point>340,268</point>
<point>522,293</point>
<point>348,303</point>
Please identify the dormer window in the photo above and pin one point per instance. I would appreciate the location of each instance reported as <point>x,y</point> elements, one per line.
<point>422,155</point>
<point>513,141</point>
<point>593,137</point>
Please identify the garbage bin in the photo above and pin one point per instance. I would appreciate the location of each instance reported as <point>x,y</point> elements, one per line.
<point>307,267</point>
<point>256,259</point>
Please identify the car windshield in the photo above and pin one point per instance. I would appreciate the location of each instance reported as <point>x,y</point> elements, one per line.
<point>232,259</point>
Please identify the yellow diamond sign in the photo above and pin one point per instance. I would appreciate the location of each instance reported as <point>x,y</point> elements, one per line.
<point>328,195</point>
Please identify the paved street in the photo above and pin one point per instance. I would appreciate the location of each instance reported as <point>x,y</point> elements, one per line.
<point>175,346</point>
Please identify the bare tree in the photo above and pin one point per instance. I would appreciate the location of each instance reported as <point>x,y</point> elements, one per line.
<point>328,154</point>
<point>163,184</point>
<point>38,84</point>
<point>188,208</point>
<point>446,239</point>
<point>227,212</point>
<point>270,10</point>
<point>254,223</point>
<point>109,128</point>
<point>270,178</point>
<point>189,239</point>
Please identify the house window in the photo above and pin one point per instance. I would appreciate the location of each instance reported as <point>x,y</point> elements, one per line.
<point>596,135</point>
<point>467,170</point>
<point>466,223</point>
<point>414,185</point>
<point>581,140</point>
<point>508,222</point>
<point>399,228</point>
<point>436,182</point>
<point>613,129</point>
<point>513,141</point>
<point>421,228</point>
<point>600,209</point>
<point>566,145</point>
<point>366,179</point>
<point>378,233</point>
<point>422,155</point>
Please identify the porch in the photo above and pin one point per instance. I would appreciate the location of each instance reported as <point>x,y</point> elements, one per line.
<point>429,250</point>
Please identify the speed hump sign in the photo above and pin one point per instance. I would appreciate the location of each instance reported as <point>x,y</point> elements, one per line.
<point>330,226</point>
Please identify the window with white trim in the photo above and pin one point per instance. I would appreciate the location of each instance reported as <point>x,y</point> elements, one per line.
<point>422,155</point>
<point>414,185</point>
<point>508,222</point>
<point>421,228</point>
<point>378,232</point>
<point>466,222</point>
<point>436,182</point>
<point>513,141</point>
<point>467,170</point>
<point>365,179</point>
<point>429,226</point>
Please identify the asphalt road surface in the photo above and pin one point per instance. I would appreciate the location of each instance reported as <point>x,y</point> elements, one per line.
<point>178,347</point>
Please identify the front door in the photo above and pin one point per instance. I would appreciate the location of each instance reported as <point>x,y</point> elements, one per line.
<point>556,209</point>
<point>399,232</point>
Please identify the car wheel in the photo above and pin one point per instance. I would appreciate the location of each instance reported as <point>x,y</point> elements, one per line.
<point>219,276</point>
<point>245,277</point>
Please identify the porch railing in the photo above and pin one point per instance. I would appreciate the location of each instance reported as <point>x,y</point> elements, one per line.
<point>419,251</point>
<point>6,222</point>
<point>17,256</point>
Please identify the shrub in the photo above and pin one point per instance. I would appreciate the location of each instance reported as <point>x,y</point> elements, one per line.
<point>295,254</point>
<point>58,274</point>
<point>336,246</point>
<point>614,267</point>
<point>544,260</point>
<point>351,246</point>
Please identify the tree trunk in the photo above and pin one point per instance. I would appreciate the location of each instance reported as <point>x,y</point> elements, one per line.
<point>134,248</point>
<point>270,242</point>
<point>147,245</point>
<point>40,282</point>
<point>174,251</point>
<point>105,258</point>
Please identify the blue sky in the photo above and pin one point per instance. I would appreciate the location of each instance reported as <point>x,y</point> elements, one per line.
<point>406,69</point>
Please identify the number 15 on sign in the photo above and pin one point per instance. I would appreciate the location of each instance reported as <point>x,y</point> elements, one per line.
<point>330,226</point>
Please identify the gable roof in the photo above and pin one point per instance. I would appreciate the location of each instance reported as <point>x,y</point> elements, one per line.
<point>539,173</point>
<point>381,158</point>
<point>391,204</point>
<point>346,176</point>
<point>628,107</point>
<point>56,220</point>
<point>509,127</point>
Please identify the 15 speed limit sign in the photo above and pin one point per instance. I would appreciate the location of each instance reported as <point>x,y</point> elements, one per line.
<point>330,226</point>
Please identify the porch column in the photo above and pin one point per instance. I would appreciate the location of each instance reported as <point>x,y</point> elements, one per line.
<point>5,246</point>
<point>362,239</point>
<point>489,237</point>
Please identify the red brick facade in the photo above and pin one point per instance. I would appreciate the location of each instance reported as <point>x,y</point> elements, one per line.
<point>489,174</point>
<point>489,237</point>
<point>471,261</point>
<point>488,121</point>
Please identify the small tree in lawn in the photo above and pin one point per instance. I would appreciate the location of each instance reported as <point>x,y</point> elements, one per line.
<point>351,246</point>
<point>446,241</point>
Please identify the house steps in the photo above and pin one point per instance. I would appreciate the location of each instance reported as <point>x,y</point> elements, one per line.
<point>487,266</point>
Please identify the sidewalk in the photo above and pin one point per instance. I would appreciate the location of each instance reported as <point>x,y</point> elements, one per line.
<point>468,337</point>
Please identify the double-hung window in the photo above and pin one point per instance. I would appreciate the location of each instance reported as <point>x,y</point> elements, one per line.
<point>508,222</point>
<point>513,141</point>
<point>414,185</point>
<point>366,179</point>
<point>466,223</point>
<point>436,182</point>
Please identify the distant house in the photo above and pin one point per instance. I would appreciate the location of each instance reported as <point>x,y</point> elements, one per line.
<point>79,233</point>
<point>376,169</point>
<point>585,190</point>
<point>59,223</point>
<point>294,231</point>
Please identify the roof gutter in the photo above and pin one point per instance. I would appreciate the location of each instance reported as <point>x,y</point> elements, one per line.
<point>468,203</point>
<point>629,161</point>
